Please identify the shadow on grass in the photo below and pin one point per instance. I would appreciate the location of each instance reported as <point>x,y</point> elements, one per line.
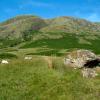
<point>7,56</point>
<point>47,53</point>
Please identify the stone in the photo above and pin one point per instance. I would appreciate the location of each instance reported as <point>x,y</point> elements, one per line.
<point>89,73</point>
<point>28,58</point>
<point>78,58</point>
<point>87,61</point>
<point>4,62</point>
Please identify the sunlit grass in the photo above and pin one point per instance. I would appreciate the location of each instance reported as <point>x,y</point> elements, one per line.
<point>34,80</point>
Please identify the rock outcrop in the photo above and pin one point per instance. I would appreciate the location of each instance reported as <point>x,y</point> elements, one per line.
<point>78,58</point>
<point>84,59</point>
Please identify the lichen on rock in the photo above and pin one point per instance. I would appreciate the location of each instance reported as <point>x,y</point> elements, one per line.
<point>78,58</point>
<point>84,59</point>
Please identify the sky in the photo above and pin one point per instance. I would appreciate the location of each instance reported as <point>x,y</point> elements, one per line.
<point>87,9</point>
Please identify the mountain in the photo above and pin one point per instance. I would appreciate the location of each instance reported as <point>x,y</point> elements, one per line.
<point>14,27</point>
<point>56,33</point>
<point>71,25</point>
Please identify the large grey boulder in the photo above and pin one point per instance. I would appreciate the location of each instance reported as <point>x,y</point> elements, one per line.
<point>84,59</point>
<point>78,58</point>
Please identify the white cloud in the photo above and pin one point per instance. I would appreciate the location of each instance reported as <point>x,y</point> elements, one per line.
<point>94,17</point>
<point>28,5</point>
<point>34,4</point>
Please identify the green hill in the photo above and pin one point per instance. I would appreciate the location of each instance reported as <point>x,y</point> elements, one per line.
<point>14,28</point>
<point>56,33</point>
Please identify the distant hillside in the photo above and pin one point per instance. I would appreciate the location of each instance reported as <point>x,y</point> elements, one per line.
<point>71,25</point>
<point>15,27</point>
<point>35,29</point>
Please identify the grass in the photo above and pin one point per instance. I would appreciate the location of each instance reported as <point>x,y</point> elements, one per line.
<point>47,53</point>
<point>33,80</point>
<point>68,42</point>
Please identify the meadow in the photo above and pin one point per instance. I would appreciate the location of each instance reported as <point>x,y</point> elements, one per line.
<point>34,80</point>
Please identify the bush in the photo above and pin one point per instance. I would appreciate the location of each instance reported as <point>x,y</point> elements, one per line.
<point>7,56</point>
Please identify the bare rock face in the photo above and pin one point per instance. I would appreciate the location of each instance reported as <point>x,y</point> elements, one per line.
<point>78,58</point>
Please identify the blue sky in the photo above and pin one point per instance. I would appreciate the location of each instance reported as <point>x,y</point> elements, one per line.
<point>88,9</point>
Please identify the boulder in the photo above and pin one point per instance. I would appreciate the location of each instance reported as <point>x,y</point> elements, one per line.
<point>84,59</point>
<point>78,58</point>
<point>4,62</point>
<point>28,58</point>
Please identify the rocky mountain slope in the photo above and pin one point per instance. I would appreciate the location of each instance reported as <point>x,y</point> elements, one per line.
<point>71,25</point>
<point>14,28</point>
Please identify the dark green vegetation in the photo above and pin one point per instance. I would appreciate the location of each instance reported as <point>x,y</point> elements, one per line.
<point>33,80</point>
<point>66,42</point>
<point>7,56</point>
<point>47,53</point>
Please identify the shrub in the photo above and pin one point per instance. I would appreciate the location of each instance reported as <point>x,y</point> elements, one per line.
<point>7,56</point>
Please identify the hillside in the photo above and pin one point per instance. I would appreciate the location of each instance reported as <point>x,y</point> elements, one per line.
<point>14,27</point>
<point>56,34</point>
<point>71,25</point>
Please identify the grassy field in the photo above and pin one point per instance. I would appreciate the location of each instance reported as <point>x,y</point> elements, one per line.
<point>34,80</point>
